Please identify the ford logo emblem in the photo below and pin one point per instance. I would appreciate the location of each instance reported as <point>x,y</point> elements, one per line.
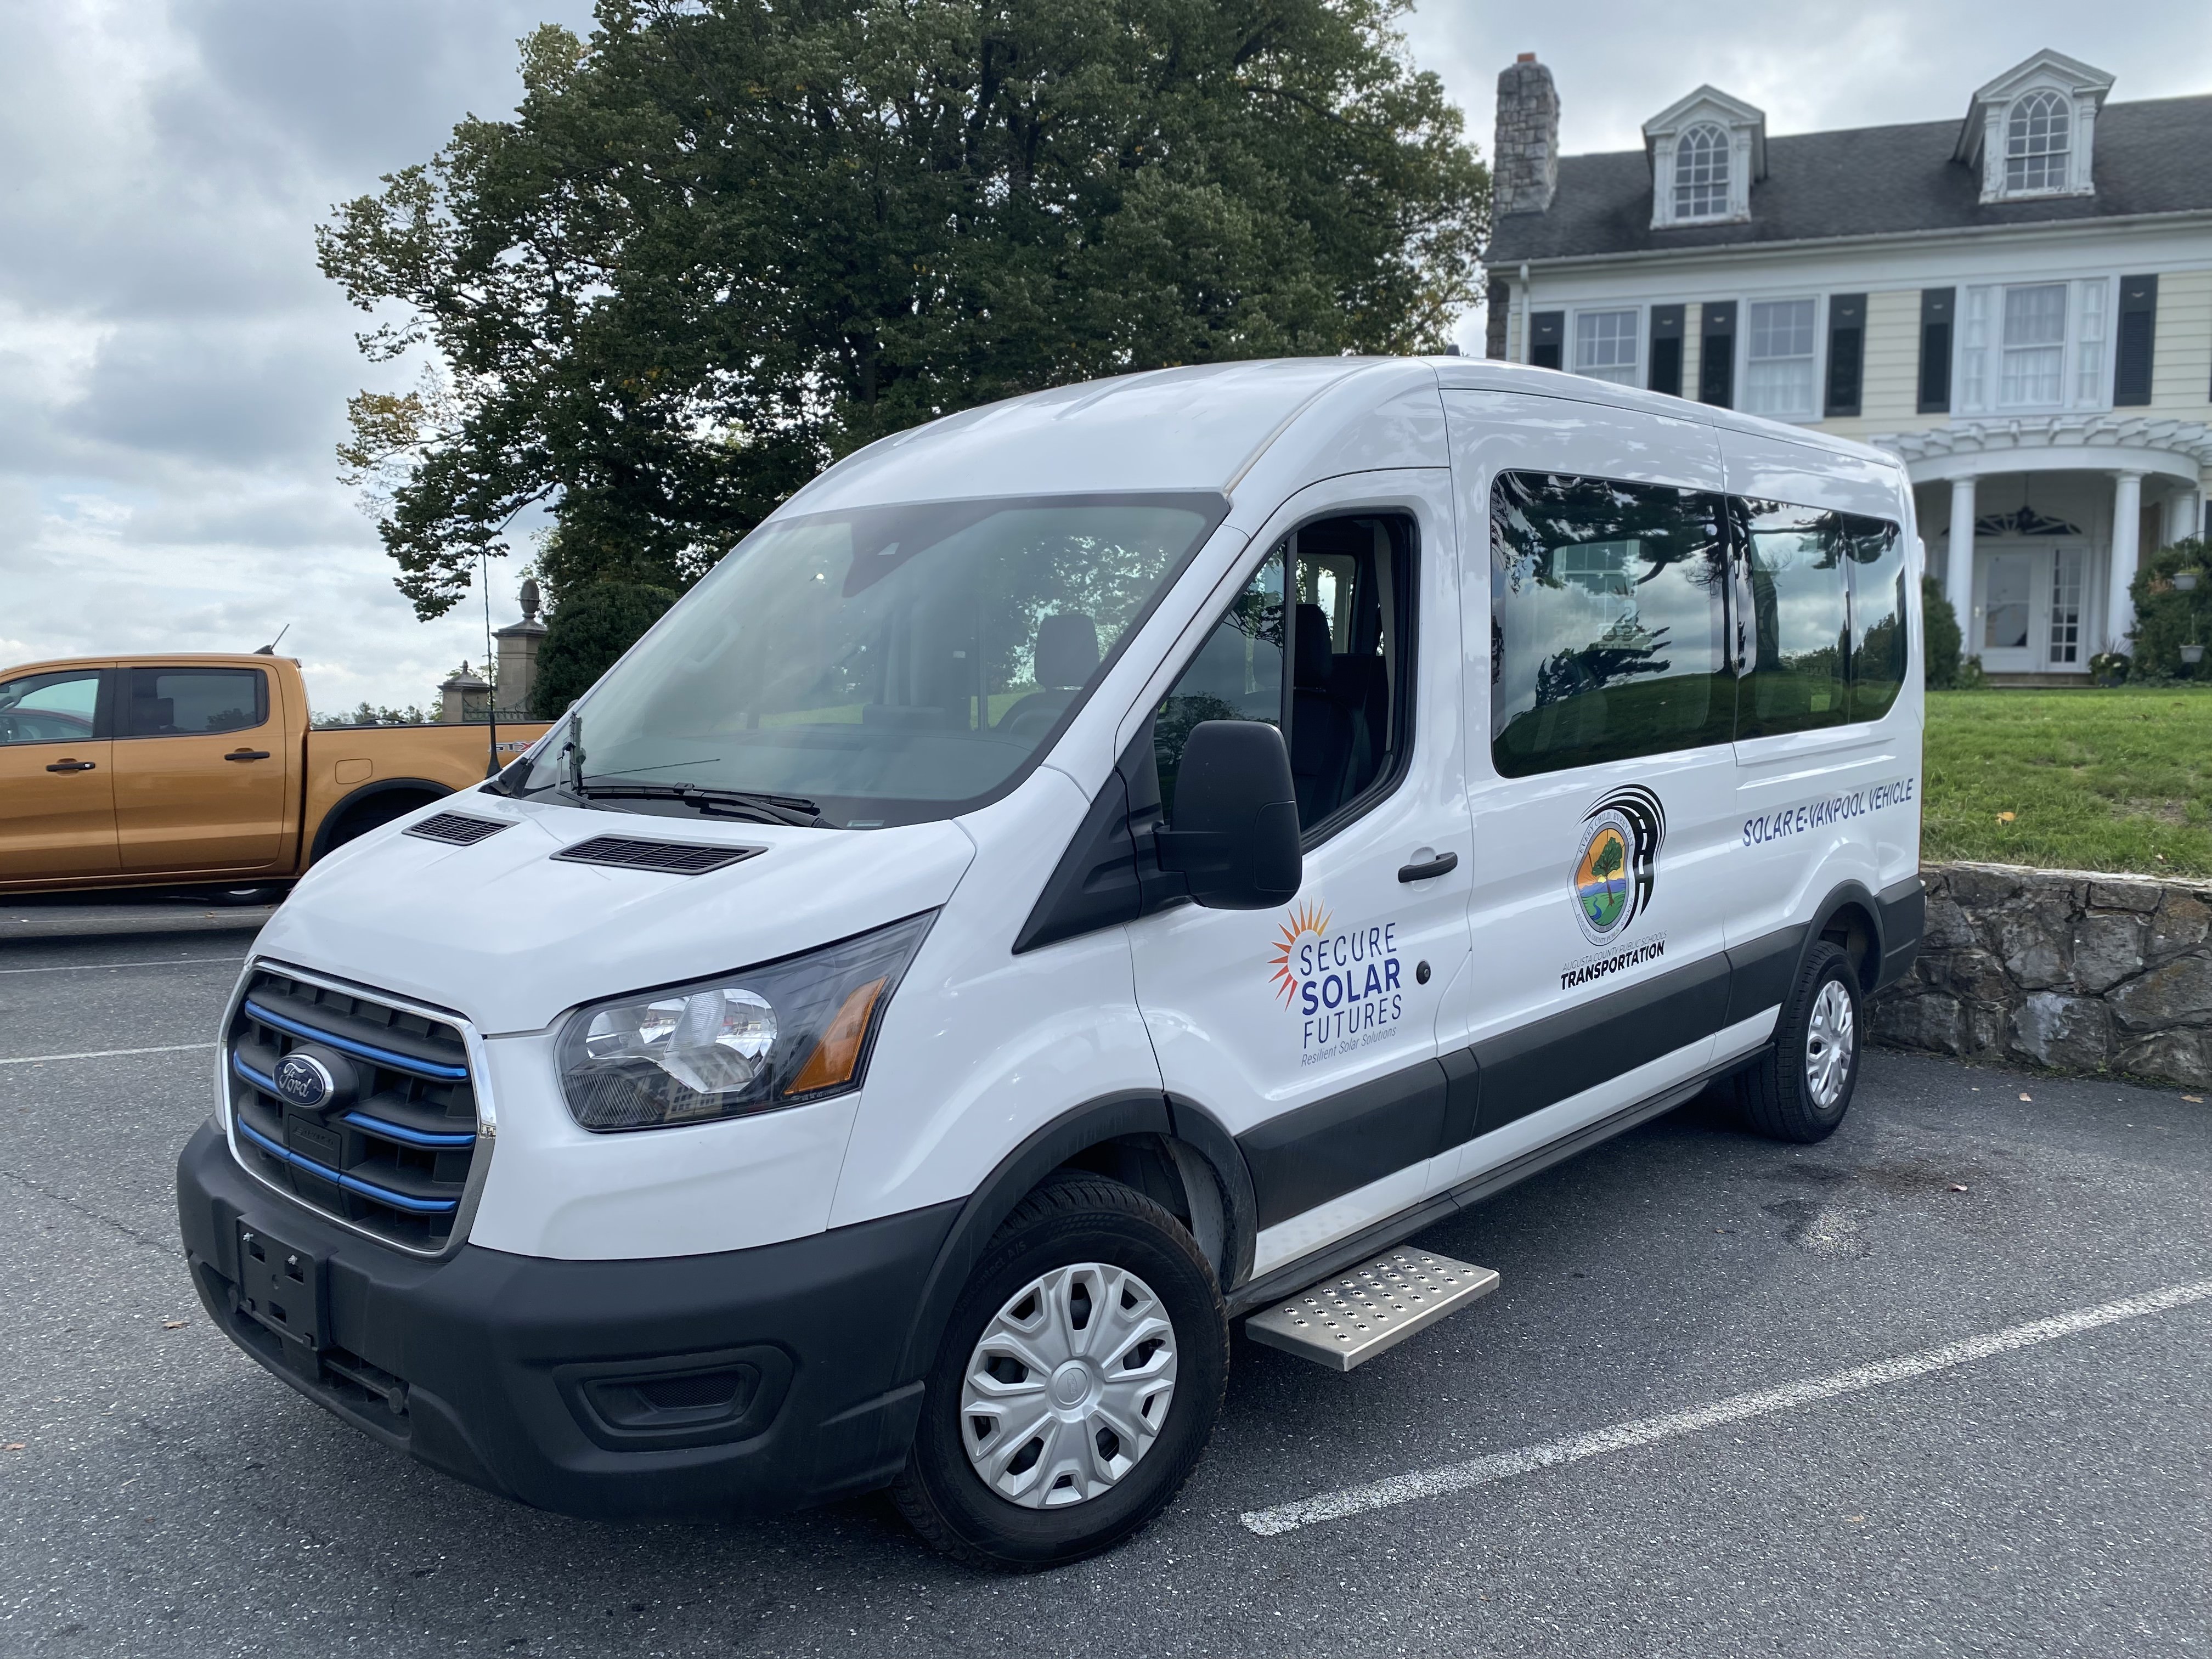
<point>304,1081</point>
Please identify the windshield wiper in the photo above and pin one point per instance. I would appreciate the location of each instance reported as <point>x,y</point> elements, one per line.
<point>713,803</point>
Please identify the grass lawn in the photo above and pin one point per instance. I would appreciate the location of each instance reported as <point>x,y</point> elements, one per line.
<point>2101,778</point>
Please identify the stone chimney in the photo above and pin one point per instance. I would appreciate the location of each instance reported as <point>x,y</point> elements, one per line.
<point>1524,161</point>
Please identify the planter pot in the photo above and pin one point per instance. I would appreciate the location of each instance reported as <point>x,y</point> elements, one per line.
<point>2192,654</point>
<point>2184,581</point>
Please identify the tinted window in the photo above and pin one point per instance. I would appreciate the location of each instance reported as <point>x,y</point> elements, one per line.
<point>1878,580</point>
<point>49,707</point>
<point>1342,703</point>
<point>168,703</point>
<point>1799,608</point>
<point>1606,622</point>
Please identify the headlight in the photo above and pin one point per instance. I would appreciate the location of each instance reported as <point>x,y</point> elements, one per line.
<point>792,1031</point>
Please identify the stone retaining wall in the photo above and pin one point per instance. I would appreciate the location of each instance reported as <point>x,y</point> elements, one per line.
<point>2060,968</point>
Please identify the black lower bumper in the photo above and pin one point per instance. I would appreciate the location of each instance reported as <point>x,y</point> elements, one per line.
<point>753,1380</point>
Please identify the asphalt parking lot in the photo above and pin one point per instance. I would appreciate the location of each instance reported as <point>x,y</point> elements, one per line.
<point>2047,1491</point>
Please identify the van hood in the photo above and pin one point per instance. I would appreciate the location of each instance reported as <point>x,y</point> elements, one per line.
<point>502,932</point>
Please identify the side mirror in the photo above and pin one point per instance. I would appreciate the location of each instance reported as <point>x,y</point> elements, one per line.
<point>1235,834</point>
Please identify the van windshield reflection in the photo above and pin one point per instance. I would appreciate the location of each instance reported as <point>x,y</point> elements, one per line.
<point>879,665</point>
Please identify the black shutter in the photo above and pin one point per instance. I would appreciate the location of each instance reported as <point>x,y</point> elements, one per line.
<point>1846,351</point>
<point>1935,304</point>
<point>2138,334</point>
<point>1547,330</point>
<point>1666,351</point>
<point>1716,354</point>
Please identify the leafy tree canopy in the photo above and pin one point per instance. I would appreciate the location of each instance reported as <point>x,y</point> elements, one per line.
<point>725,242</point>
<point>594,625</point>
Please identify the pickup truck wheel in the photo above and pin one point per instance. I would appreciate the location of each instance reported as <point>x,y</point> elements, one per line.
<point>1077,1385</point>
<point>374,813</point>
<point>1801,1088</point>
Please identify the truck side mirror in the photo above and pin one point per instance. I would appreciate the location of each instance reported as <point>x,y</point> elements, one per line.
<point>1235,834</point>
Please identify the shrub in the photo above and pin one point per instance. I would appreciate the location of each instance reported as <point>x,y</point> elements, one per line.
<point>2166,618</point>
<point>591,627</point>
<point>1940,664</point>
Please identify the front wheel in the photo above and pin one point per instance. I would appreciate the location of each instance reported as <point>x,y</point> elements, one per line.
<point>1801,1088</point>
<point>1077,1385</point>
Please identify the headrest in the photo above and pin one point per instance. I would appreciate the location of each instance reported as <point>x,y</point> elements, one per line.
<point>152,714</point>
<point>1313,658</point>
<point>1066,650</point>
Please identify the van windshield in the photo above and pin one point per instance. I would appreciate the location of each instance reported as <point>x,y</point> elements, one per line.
<point>885,665</point>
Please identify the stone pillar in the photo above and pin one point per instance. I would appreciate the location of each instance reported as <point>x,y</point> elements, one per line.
<point>1524,158</point>
<point>518,665</point>
<point>464,697</point>
<point>1959,563</point>
<point>2127,532</point>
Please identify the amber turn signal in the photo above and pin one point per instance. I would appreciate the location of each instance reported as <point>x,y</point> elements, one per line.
<point>838,1054</point>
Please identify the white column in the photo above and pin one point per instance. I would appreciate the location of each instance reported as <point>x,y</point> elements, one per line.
<point>2184,515</point>
<point>2127,526</point>
<point>1959,560</point>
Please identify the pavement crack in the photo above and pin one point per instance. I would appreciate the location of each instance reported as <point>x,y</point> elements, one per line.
<point>90,1214</point>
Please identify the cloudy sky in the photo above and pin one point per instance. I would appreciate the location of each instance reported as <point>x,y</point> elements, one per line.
<point>174,370</point>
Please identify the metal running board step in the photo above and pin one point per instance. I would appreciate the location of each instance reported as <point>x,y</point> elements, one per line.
<point>1373,1308</point>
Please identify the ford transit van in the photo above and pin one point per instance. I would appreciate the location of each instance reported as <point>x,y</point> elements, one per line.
<point>1081,873</point>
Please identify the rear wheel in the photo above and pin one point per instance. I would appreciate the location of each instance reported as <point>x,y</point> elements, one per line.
<point>1077,1384</point>
<point>1801,1088</point>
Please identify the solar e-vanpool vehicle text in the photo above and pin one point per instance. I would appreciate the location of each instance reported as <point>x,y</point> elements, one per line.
<point>1082,873</point>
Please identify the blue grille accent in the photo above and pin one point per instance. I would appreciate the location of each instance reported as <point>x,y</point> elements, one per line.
<point>351,1184</point>
<point>381,1056</point>
<point>377,1126</point>
<point>259,1080</point>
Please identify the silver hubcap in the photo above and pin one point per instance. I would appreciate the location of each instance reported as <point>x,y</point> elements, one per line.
<point>1829,1037</point>
<point>1068,1386</point>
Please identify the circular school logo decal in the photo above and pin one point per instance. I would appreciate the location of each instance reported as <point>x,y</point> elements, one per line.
<point>1616,865</point>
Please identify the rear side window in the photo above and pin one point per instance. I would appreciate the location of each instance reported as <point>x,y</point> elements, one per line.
<point>1607,637</point>
<point>1317,646</point>
<point>1878,612</point>
<point>169,702</point>
<point>1801,603</point>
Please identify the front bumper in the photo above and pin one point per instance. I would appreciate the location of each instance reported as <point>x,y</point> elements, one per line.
<point>584,1387</point>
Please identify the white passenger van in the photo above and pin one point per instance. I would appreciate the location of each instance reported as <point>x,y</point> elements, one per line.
<point>1080,874</point>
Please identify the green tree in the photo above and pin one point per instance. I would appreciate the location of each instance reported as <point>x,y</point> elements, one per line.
<point>1609,859</point>
<point>595,624</point>
<point>2169,617</point>
<point>726,241</point>
<point>1939,658</point>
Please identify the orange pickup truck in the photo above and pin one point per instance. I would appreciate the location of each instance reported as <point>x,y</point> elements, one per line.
<point>185,769</point>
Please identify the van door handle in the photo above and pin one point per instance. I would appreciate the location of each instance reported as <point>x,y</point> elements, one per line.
<point>72,766</point>
<point>247,754</point>
<point>1442,864</point>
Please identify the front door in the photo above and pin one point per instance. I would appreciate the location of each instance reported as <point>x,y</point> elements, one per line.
<point>2012,621</point>
<point>200,772</point>
<point>1310,1031</point>
<point>57,779</point>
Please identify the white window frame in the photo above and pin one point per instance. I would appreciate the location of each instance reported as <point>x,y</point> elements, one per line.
<point>2085,377</point>
<point>1810,412</point>
<point>1629,374</point>
<point>1676,184</point>
<point>2050,185</point>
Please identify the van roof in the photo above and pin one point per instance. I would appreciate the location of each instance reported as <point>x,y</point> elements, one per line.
<point>1198,426</point>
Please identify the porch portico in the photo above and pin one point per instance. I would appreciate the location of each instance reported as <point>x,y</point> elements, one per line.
<point>2044,522</point>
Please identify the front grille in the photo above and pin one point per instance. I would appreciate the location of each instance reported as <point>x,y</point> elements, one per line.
<point>457,828</point>
<point>395,1160</point>
<point>672,858</point>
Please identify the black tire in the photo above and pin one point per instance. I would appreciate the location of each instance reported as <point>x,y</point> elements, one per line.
<point>1776,1093</point>
<point>373,814</point>
<point>1070,1219</point>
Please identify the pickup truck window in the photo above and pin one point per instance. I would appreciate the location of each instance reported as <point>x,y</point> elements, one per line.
<point>169,702</point>
<point>50,707</point>
<point>890,664</point>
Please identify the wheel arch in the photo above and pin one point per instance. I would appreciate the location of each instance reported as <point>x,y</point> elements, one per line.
<point>1137,1137</point>
<point>1850,917</point>
<point>428,788</point>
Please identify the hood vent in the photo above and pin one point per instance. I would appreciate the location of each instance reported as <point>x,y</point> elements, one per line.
<point>671,858</point>
<point>454,827</point>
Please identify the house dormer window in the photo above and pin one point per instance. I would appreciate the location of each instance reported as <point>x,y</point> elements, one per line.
<point>2035,144</point>
<point>1701,173</point>
<point>2031,132</point>
<point>1706,153</point>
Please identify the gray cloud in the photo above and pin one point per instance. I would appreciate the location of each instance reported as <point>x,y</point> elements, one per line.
<point>174,370</point>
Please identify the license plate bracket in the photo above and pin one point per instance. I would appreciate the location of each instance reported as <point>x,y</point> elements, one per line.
<point>280,1284</point>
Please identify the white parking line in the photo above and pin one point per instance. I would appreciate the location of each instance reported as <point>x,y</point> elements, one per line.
<point>105,1054</point>
<point>1483,1471</point>
<point>88,967</point>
